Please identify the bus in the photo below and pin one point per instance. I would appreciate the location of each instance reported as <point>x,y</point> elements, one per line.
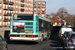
<point>29,27</point>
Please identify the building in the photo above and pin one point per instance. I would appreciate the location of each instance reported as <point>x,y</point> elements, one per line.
<point>57,21</point>
<point>40,7</point>
<point>8,7</point>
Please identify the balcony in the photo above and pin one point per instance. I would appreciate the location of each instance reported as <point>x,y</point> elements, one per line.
<point>22,10</point>
<point>43,3</point>
<point>39,2</point>
<point>5,15</point>
<point>8,2</point>
<point>5,8</point>
<point>0,5</point>
<point>38,9</point>
<point>43,7</point>
<point>22,5</point>
<point>34,8</point>
<point>11,8</point>
<point>8,14</point>
<point>11,3</point>
<point>6,20</point>
<point>38,6</point>
<point>39,12</point>
<point>43,12</point>
<point>22,0</point>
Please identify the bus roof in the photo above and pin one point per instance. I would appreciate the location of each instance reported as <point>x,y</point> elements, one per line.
<point>40,17</point>
<point>24,14</point>
<point>43,18</point>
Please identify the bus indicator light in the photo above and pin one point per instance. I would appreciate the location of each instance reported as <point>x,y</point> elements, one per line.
<point>13,35</point>
<point>28,31</point>
<point>31,36</point>
<point>43,32</point>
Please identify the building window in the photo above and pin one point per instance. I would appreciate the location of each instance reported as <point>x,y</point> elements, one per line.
<point>22,0</point>
<point>34,6</point>
<point>0,11</point>
<point>0,22</point>
<point>34,2</point>
<point>55,23</point>
<point>22,5</point>
<point>16,11</point>
<point>16,1</point>
<point>3,23</point>
<point>42,14</point>
<point>43,6</point>
<point>29,4</point>
<point>0,16</point>
<point>43,2</point>
<point>38,6</point>
<point>38,13</point>
<point>11,8</point>
<point>39,2</point>
<point>11,3</point>
<point>6,23</point>
<point>0,5</point>
<point>16,6</point>
<point>22,10</point>
<point>39,9</point>
<point>34,11</point>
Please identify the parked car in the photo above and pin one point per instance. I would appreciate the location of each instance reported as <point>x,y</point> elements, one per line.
<point>62,30</point>
<point>69,40</point>
<point>73,29</point>
<point>66,33</point>
<point>3,44</point>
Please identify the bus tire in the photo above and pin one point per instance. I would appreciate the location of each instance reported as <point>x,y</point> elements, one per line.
<point>7,35</point>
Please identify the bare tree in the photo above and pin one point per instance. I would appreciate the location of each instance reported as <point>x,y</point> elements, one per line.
<point>62,11</point>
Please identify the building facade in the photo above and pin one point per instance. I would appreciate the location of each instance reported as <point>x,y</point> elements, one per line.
<point>40,7</point>
<point>57,21</point>
<point>8,7</point>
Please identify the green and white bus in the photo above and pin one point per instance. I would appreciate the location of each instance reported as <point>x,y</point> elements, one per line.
<point>29,27</point>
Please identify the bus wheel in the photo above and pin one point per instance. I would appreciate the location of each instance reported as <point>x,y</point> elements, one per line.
<point>7,35</point>
<point>41,40</point>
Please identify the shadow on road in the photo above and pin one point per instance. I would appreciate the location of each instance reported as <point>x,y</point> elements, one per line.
<point>22,42</point>
<point>54,43</point>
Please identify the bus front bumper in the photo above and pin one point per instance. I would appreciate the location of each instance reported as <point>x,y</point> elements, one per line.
<point>25,39</point>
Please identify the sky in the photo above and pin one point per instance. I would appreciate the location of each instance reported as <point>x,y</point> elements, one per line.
<point>52,6</point>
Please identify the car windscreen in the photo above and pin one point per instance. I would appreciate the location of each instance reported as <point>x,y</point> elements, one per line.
<point>73,36</point>
<point>23,17</point>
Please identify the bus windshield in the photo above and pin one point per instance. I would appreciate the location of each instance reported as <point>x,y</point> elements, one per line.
<point>23,17</point>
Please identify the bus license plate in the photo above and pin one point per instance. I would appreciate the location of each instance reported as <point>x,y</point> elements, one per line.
<point>22,35</point>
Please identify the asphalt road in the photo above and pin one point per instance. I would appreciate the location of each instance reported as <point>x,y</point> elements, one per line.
<point>51,44</point>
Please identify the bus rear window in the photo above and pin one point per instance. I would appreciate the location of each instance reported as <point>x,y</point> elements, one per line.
<point>23,17</point>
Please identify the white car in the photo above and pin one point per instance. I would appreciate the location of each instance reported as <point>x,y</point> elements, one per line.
<point>69,40</point>
<point>62,30</point>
